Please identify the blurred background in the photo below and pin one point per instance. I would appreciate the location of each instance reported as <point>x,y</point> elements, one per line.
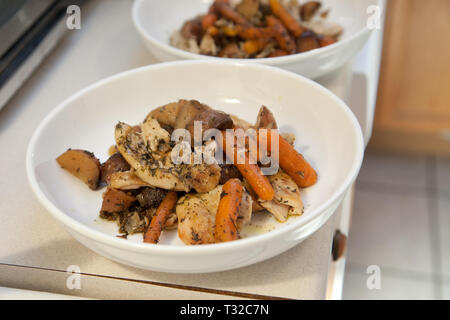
<point>401,216</point>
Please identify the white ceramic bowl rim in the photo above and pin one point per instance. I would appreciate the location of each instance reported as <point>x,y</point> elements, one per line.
<point>272,61</point>
<point>200,249</point>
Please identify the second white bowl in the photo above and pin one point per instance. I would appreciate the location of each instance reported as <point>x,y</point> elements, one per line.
<point>156,20</point>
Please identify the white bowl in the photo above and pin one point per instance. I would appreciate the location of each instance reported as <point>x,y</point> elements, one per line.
<point>328,135</point>
<point>155,21</point>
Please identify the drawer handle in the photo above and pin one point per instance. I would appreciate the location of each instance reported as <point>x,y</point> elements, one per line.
<point>339,244</point>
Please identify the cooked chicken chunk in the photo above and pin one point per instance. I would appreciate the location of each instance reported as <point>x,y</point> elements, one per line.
<point>152,167</point>
<point>197,215</point>
<point>151,159</point>
<point>287,200</point>
<point>126,180</point>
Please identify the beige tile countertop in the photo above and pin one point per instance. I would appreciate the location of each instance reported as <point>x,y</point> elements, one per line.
<point>35,250</point>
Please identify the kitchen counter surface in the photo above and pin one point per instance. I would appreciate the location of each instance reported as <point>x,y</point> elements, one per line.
<point>36,251</point>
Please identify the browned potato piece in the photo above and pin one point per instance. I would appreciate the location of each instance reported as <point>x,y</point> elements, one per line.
<point>82,164</point>
<point>227,172</point>
<point>211,119</point>
<point>188,111</point>
<point>309,9</point>
<point>116,201</point>
<point>307,41</point>
<point>115,163</point>
<point>248,8</point>
<point>265,119</point>
<point>192,29</point>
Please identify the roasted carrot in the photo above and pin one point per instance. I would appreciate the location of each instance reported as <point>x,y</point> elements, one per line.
<point>159,219</point>
<point>250,33</point>
<point>228,12</point>
<point>251,172</point>
<point>212,31</point>
<point>227,213</point>
<point>208,20</point>
<point>229,31</point>
<point>255,45</point>
<point>289,22</point>
<point>292,162</point>
<point>281,34</point>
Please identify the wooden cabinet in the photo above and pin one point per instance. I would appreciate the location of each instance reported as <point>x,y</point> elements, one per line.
<point>413,108</point>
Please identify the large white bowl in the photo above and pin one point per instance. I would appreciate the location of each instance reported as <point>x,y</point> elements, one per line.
<point>327,132</point>
<point>155,21</point>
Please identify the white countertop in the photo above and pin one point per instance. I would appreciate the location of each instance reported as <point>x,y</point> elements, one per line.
<point>36,250</point>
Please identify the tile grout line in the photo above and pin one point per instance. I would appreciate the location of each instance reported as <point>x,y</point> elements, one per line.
<point>433,216</point>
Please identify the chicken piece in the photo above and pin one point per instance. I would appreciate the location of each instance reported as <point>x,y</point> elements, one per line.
<point>208,45</point>
<point>245,211</point>
<point>154,165</point>
<point>289,137</point>
<point>197,215</point>
<point>155,137</point>
<point>287,200</point>
<point>202,177</point>
<point>126,180</point>
<point>248,8</point>
<point>166,114</point>
<point>232,50</point>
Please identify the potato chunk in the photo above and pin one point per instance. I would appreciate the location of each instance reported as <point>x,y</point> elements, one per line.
<point>115,163</point>
<point>116,201</point>
<point>82,164</point>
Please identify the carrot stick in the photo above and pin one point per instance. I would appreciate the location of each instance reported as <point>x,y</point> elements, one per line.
<point>249,33</point>
<point>292,162</point>
<point>289,22</point>
<point>225,10</point>
<point>159,219</point>
<point>252,173</point>
<point>227,213</point>
<point>229,31</point>
<point>281,35</point>
<point>208,20</point>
